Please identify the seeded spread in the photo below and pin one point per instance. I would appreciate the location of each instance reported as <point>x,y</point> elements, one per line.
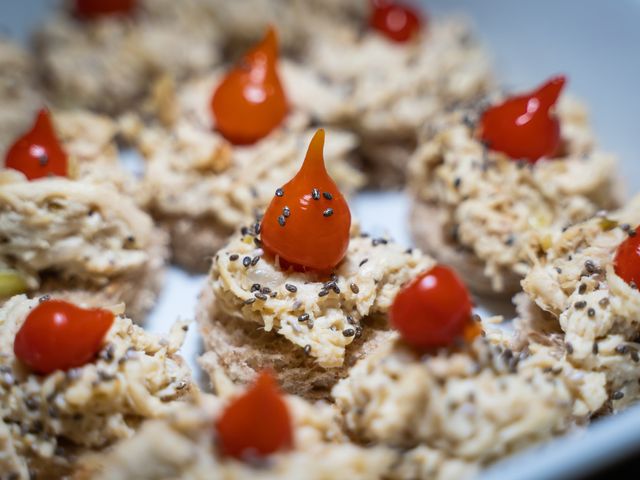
<point>477,209</point>
<point>395,89</point>
<point>183,446</point>
<point>81,240</point>
<point>18,93</point>
<point>595,312</point>
<point>47,421</point>
<point>320,314</point>
<point>109,63</point>
<point>452,411</point>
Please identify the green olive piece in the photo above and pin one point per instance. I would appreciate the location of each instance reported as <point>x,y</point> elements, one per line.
<point>11,283</point>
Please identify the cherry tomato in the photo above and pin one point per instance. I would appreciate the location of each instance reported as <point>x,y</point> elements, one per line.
<point>433,310</point>
<point>626,262</point>
<point>525,127</point>
<point>257,423</point>
<point>38,152</point>
<point>59,335</point>
<point>250,102</point>
<point>91,9</point>
<point>307,223</point>
<point>396,21</point>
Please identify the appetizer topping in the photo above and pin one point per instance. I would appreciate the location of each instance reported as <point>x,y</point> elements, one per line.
<point>307,222</point>
<point>257,423</point>
<point>396,21</point>
<point>38,152</point>
<point>98,8</point>
<point>250,101</point>
<point>525,127</point>
<point>59,335</point>
<point>11,283</point>
<point>626,262</point>
<point>433,310</point>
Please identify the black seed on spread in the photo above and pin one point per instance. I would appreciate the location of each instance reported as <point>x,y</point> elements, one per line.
<point>249,301</point>
<point>603,302</point>
<point>43,159</point>
<point>634,356</point>
<point>354,288</point>
<point>234,257</point>
<point>590,267</point>
<point>304,317</point>
<point>286,212</point>
<point>257,241</point>
<point>510,240</point>
<point>266,290</point>
<point>257,227</point>
<point>328,212</point>
<point>591,312</point>
<point>350,320</point>
<point>244,231</point>
<point>246,261</point>
<point>260,295</point>
<point>633,285</point>
<point>594,348</point>
<point>409,251</point>
<point>363,262</point>
<point>358,332</point>
<point>307,349</point>
<point>348,332</point>
<point>323,293</point>
<point>291,288</point>
<point>327,195</point>
<point>310,323</point>
<point>456,182</point>
<point>622,349</point>
<point>580,305</point>
<point>631,233</point>
<point>569,348</point>
<point>279,192</point>
<point>44,298</point>
<point>315,194</point>
<point>255,260</point>
<point>255,287</point>
<point>378,241</point>
<point>618,395</point>
<point>336,289</point>
<point>582,288</point>
<point>281,221</point>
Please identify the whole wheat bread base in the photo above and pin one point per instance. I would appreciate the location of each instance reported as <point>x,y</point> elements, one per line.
<point>428,229</point>
<point>194,241</point>
<point>242,348</point>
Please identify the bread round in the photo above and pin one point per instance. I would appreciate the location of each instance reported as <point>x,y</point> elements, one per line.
<point>242,348</point>
<point>429,227</point>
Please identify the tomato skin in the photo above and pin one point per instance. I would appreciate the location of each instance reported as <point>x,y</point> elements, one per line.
<point>524,127</point>
<point>257,423</point>
<point>433,310</point>
<point>398,22</point>
<point>626,262</point>
<point>315,234</point>
<point>249,103</point>
<point>91,9</point>
<point>38,153</point>
<point>58,335</point>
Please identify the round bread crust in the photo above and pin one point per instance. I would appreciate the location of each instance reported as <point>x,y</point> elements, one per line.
<point>194,241</point>
<point>138,291</point>
<point>428,227</point>
<point>243,348</point>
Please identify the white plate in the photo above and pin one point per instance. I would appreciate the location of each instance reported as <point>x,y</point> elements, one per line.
<point>591,41</point>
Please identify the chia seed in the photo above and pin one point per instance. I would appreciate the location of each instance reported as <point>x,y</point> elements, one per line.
<point>304,317</point>
<point>234,257</point>
<point>255,287</point>
<point>456,182</point>
<point>327,195</point>
<point>354,288</point>
<point>378,241</point>
<point>590,267</point>
<point>255,260</point>
<point>307,349</point>
<point>281,221</point>
<point>246,261</point>
<point>618,395</point>
<point>594,348</point>
<point>323,293</point>
<point>315,194</point>
<point>279,192</point>
<point>291,288</point>
<point>591,312</point>
<point>249,301</point>
<point>622,349</point>
<point>582,288</point>
<point>569,348</point>
<point>604,302</point>
<point>328,212</point>
<point>363,262</point>
<point>260,296</point>
<point>580,305</point>
<point>348,332</point>
<point>286,212</point>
